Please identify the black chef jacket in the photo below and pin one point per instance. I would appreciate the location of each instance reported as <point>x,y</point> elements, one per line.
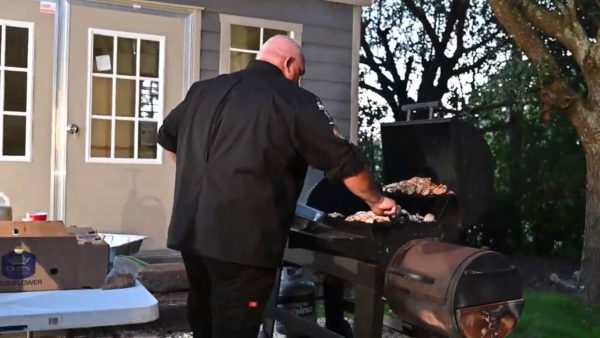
<point>243,141</point>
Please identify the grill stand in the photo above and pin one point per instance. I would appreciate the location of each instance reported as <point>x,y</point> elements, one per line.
<point>368,282</point>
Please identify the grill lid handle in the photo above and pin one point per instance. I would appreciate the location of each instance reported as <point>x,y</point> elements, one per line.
<point>408,274</point>
<point>509,269</point>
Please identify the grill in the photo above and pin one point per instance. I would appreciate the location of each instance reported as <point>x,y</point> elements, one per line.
<point>436,286</point>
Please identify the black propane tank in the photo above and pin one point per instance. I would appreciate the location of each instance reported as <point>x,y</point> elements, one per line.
<point>297,295</point>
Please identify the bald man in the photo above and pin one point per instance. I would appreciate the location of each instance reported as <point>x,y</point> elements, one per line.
<point>242,143</point>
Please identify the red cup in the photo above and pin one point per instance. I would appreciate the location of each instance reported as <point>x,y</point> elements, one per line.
<point>37,216</point>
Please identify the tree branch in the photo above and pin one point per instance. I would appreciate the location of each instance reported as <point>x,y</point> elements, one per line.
<point>375,90</point>
<point>491,37</point>
<point>458,10</point>
<point>555,93</point>
<point>422,17</point>
<point>480,62</point>
<point>564,27</point>
<point>369,60</point>
<point>390,58</point>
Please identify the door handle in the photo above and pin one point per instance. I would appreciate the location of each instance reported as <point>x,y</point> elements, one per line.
<point>72,129</point>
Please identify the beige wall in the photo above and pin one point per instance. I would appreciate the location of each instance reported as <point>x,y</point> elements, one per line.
<point>28,183</point>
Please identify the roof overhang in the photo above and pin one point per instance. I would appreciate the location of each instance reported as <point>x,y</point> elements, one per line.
<point>354,2</point>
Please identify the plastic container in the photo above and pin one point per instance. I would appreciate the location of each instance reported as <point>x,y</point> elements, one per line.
<point>5,208</point>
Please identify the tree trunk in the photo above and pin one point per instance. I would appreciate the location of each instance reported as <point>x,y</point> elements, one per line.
<point>590,260</point>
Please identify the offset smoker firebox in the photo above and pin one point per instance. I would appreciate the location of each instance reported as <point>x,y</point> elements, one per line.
<point>435,286</point>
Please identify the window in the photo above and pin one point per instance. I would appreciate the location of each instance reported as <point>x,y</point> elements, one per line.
<point>242,37</point>
<point>125,97</point>
<point>16,75</point>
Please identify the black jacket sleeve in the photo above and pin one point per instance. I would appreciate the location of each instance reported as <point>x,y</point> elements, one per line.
<point>318,140</point>
<point>167,134</point>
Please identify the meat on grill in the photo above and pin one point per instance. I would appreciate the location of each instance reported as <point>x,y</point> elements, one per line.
<point>367,217</point>
<point>417,185</point>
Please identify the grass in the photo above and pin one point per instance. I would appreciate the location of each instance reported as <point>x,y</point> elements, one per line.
<point>549,315</point>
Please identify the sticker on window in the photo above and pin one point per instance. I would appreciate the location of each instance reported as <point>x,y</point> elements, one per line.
<point>103,63</point>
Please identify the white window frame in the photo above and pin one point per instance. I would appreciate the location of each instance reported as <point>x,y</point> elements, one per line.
<point>114,76</point>
<point>29,105</point>
<point>227,20</point>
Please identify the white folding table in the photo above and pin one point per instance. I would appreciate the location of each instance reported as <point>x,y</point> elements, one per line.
<point>69,309</point>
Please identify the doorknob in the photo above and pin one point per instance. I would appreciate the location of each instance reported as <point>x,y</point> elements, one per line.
<point>72,129</point>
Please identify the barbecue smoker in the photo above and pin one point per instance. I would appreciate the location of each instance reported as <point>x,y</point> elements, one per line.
<point>435,286</point>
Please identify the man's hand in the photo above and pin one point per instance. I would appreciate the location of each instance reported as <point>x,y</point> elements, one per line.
<point>385,206</point>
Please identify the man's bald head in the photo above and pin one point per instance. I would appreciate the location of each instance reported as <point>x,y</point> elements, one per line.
<point>285,53</point>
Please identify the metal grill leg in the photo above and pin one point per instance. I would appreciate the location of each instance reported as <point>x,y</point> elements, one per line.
<point>269,315</point>
<point>368,312</point>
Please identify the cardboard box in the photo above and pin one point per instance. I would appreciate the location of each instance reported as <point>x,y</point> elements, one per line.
<point>93,254</point>
<point>43,255</point>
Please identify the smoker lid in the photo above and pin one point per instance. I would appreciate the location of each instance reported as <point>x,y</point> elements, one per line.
<point>450,151</point>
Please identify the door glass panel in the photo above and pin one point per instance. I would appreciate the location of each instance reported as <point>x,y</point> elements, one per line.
<point>126,55</point>
<point>125,98</point>
<point>14,135</point>
<point>245,37</point>
<point>100,138</point>
<point>149,58</point>
<point>16,46</point>
<point>103,54</point>
<point>15,91</point>
<point>269,33</point>
<point>147,139</point>
<point>149,102</point>
<point>240,60</point>
<point>128,98</point>
<point>101,96</point>
<point>124,131</point>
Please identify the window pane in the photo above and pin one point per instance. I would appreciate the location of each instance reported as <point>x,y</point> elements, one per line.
<point>100,138</point>
<point>269,33</point>
<point>149,102</point>
<point>15,91</point>
<point>147,139</point>
<point>149,58</point>
<point>124,139</point>
<point>14,135</point>
<point>126,56</point>
<point>125,98</point>
<point>245,37</point>
<point>101,96</point>
<point>103,54</point>
<point>16,46</point>
<point>239,60</point>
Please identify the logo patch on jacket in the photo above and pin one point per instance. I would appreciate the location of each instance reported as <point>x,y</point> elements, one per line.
<point>322,108</point>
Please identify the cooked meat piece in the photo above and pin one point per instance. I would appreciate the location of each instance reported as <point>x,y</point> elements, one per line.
<point>367,217</point>
<point>440,189</point>
<point>425,191</point>
<point>429,218</point>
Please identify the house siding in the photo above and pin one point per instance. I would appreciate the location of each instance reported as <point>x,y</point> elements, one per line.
<point>326,41</point>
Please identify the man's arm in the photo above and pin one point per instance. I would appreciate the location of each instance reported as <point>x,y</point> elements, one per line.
<point>318,140</point>
<point>171,155</point>
<point>363,186</point>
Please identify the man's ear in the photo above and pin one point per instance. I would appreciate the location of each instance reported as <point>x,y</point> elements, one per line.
<point>288,62</point>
